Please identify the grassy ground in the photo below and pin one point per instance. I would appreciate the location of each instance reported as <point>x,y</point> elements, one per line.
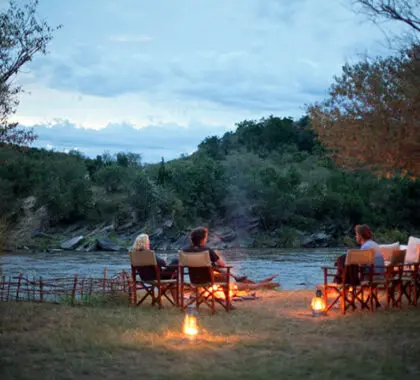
<point>272,338</point>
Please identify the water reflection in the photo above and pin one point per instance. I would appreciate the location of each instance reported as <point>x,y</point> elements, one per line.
<point>296,268</point>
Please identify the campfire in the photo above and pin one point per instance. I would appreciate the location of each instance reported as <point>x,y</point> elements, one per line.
<point>234,292</point>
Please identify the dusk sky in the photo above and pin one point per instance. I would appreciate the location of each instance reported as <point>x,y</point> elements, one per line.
<point>157,76</point>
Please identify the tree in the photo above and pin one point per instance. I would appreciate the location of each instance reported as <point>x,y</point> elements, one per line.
<point>371,118</point>
<point>22,36</point>
<point>405,11</point>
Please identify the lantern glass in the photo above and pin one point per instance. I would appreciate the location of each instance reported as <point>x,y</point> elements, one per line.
<point>318,305</point>
<point>190,327</point>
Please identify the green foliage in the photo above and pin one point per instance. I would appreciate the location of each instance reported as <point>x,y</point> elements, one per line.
<point>112,178</point>
<point>23,35</point>
<point>273,171</point>
<point>3,231</point>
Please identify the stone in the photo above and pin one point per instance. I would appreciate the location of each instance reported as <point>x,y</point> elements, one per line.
<point>317,240</point>
<point>91,247</point>
<point>228,236</point>
<point>168,223</point>
<point>72,243</point>
<point>181,242</point>
<point>105,244</point>
<point>125,226</point>
<point>108,228</point>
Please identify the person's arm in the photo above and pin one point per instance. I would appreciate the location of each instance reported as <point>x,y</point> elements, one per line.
<point>218,261</point>
<point>160,262</point>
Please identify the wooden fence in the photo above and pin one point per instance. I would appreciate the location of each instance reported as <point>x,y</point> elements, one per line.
<point>69,290</point>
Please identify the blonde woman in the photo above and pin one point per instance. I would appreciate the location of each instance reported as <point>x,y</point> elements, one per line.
<point>142,243</point>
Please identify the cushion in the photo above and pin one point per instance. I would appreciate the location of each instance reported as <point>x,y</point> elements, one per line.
<point>412,256</point>
<point>387,250</point>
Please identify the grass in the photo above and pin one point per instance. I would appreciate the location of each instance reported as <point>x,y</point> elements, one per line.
<point>272,338</point>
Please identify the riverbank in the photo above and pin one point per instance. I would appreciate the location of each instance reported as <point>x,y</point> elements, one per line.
<point>275,336</point>
<point>86,238</point>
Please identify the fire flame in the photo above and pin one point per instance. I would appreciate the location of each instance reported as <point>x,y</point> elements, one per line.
<point>219,293</point>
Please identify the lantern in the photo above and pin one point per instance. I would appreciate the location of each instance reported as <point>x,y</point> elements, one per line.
<point>190,328</point>
<point>318,305</point>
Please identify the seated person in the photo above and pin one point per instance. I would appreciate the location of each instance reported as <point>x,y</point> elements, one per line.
<point>142,243</point>
<point>364,237</point>
<point>198,243</point>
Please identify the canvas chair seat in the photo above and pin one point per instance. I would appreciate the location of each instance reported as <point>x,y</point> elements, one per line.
<point>202,281</point>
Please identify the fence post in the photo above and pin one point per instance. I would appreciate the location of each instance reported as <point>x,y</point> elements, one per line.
<point>73,292</point>
<point>8,288</point>
<point>123,278</point>
<point>18,286</point>
<point>105,278</point>
<point>3,286</point>
<point>41,290</point>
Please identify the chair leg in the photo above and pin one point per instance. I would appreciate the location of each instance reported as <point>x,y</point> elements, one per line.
<point>133,294</point>
<point>197,304</point>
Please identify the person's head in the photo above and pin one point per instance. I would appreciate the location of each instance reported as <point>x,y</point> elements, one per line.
<point>363,233</point>
<point>199,236</point>
<point>142,242</point>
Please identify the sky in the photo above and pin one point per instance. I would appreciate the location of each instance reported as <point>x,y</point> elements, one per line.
<point>156,77</point>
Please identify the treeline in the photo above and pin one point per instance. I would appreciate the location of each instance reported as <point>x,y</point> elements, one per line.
<point>273,170</point>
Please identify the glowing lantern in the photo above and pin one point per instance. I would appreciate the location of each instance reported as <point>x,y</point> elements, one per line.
<point>318,304</point>
<point>190,328</point>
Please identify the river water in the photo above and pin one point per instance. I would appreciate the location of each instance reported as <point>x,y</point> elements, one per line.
<point>296,269</point>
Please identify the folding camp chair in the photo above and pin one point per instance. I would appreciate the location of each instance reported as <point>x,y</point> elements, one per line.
<point>146,276</point>
<point>389,279</point>
<point>355,279</point>
<point>410,281</point>
<point>206,286</point>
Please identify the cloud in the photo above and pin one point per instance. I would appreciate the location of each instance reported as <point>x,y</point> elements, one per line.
<point>262,55</point>
<point>178,71</point>
<point>152,142</point>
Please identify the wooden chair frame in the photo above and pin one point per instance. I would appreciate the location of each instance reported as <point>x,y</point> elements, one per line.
<point>144,265</point>
<point>391,281</point>
<point>204,283</point>
<point>351,290</point>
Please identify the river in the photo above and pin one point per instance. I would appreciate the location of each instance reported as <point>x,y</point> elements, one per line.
<point>296,269</point>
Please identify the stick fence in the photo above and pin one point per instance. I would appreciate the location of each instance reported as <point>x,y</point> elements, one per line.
<point>68,290</point>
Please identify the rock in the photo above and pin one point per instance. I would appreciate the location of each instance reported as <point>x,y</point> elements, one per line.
<point>108,228</point>
<point>72,228</point>
<point>92,247</point>
<point>228,236</point>
<point>72,243</point>
<point>125,226</point>
<point>104,244</point>
<point>168,223</point>
<point>156,233</point>
<point>38,233</point>
<point>253,224</point>
<point>28,204</point>
<point>181,242</point>
<point>94,232</point>
<point>317,240</point>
